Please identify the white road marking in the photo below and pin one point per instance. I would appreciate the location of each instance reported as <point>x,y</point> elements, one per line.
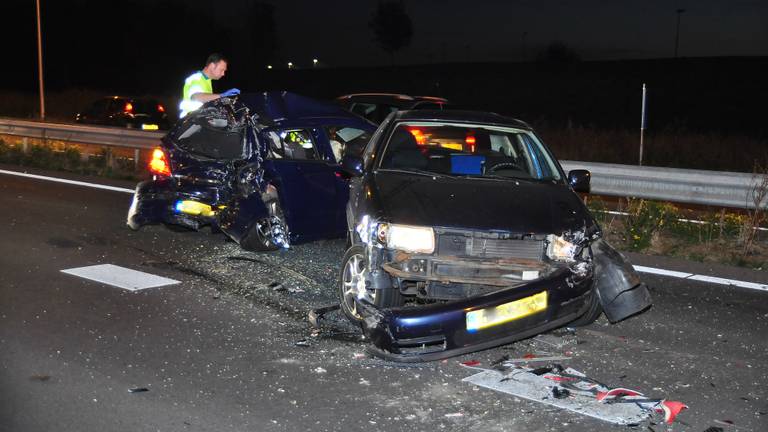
<point>642,269</point>
<point>703,278</point>
<point>73,182</point>
<point>121,277</point>
<point>662,272</point>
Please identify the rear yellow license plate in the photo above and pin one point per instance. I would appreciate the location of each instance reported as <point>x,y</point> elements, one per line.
<point>146,126</point>
<point>489,317</point>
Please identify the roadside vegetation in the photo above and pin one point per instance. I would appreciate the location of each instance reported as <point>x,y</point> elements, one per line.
<point>726,236</point>
<point>61,157</point>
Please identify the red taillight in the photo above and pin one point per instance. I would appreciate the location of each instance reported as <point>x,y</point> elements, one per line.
<point>160,108</point>
<point>159,163</point>
<point>128,107</point>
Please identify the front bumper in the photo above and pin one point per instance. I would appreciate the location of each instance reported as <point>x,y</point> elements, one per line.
<point>411,334</point>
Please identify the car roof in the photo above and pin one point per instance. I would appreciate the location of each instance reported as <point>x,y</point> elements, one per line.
<point>287,108</point>
<point>460,116</point>
<point>393,98</point>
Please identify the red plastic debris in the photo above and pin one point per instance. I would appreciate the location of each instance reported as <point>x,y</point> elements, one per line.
<point>671,409</point>
<point>529,356</point>
<point>558,378</point>
<point>617,392</point>
<point>471,363</point>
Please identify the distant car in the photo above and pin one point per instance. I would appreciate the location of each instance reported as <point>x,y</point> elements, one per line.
<point>377,106</point>
<point>464,233</point>
<point>127,112</point>
<point>263,168</point>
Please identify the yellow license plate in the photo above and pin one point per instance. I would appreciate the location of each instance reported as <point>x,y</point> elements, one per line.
<point>194,208</point>
<point>145,126</point>
<point>489,317</point>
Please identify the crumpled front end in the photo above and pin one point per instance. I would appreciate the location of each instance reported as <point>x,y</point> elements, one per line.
<point>472,289</point>
<point>443,330</point>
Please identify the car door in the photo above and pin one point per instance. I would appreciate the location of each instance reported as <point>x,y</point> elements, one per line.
<point>307,182</point>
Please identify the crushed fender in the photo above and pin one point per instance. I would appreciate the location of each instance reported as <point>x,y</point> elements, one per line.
<point>570,389</point>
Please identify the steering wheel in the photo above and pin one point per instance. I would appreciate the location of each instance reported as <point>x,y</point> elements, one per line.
<point>501,166</point>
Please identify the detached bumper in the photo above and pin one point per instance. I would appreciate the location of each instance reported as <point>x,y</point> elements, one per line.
<point>412,334</point>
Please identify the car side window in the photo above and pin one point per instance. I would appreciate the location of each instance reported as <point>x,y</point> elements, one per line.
<point>346,141</point>
<point>367,110</point>
<point>293,144</point>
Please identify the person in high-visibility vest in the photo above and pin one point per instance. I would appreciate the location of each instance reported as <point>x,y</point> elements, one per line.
<point>198,88</point>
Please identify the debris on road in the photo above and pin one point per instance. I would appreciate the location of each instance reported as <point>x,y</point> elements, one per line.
<point>572,390</point>
<point>138,390</point>
<point>40,377</point>
<point>315,315</point>
<point>302,343</point>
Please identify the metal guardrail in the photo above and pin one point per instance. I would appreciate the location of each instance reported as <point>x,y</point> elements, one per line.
<point>716,188</point>
<point>109,136</point>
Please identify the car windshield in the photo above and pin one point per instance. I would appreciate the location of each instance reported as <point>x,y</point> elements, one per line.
<point>468,150</point>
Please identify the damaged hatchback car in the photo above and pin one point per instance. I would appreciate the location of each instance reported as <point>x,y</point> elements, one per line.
<point>465,234</point>
<point>262,168</point>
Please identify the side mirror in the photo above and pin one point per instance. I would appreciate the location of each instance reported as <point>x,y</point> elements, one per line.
<point>578,180</point>
<point>353,165</point>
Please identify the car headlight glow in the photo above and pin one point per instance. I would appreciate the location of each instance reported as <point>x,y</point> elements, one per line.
<point>407,238</point>
<point>561,249</point>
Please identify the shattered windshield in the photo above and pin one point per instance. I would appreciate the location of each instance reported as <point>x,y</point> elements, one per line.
<point>469,150</point>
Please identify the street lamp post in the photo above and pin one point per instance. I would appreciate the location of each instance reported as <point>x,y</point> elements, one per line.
<point>677,30</point>
<point>40,61</point>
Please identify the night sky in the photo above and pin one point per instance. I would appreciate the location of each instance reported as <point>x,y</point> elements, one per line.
<point>89,42</point>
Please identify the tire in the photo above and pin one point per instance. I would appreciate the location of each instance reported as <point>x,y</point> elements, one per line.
<point>592,314</point>
<point>354,269</point>
<point>265,234</point>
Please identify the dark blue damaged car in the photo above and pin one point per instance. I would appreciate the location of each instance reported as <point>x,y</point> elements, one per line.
<point>465,233</point>
<point>263,168</point>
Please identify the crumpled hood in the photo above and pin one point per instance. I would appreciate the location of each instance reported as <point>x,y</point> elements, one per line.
<point>484,204</point>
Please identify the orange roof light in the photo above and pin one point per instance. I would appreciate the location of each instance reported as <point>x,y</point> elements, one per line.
<point>421,139</point>
<point>160,108</point>
<point>128,107</point>
<point>159,163</point>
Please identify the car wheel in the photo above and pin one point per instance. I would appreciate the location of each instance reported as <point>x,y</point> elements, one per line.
<point>269,233</point>
<point>352,286</point>
<point>592,314</point>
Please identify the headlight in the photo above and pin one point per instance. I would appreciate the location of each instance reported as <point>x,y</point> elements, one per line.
<point>561,249</point>
<point>407,238</point>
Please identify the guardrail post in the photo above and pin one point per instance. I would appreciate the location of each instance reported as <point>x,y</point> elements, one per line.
<point>136,155</point>
<point>110,159</point>
<point>24,145</point>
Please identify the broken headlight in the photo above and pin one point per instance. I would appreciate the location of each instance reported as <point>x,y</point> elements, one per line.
<point>560,249</point>
<point>407,238</point>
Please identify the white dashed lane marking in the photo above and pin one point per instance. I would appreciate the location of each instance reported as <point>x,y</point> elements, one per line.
<point>121,277</point>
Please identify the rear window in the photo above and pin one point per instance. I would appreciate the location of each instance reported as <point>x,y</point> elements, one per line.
<point>144,106</point>
<point>204,133</point>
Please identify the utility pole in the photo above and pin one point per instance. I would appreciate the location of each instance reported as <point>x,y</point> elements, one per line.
<point>642,126</point>
<point>677,30</point>
<point>522,45</point>
<point>40,62</point>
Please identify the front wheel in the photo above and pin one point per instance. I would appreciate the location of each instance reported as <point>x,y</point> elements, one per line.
<point>353,287</point>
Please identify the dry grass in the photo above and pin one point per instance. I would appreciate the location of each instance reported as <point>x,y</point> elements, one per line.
<point>667,148</point>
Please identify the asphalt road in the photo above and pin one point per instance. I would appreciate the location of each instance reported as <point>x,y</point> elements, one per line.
<point>224,351</point>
